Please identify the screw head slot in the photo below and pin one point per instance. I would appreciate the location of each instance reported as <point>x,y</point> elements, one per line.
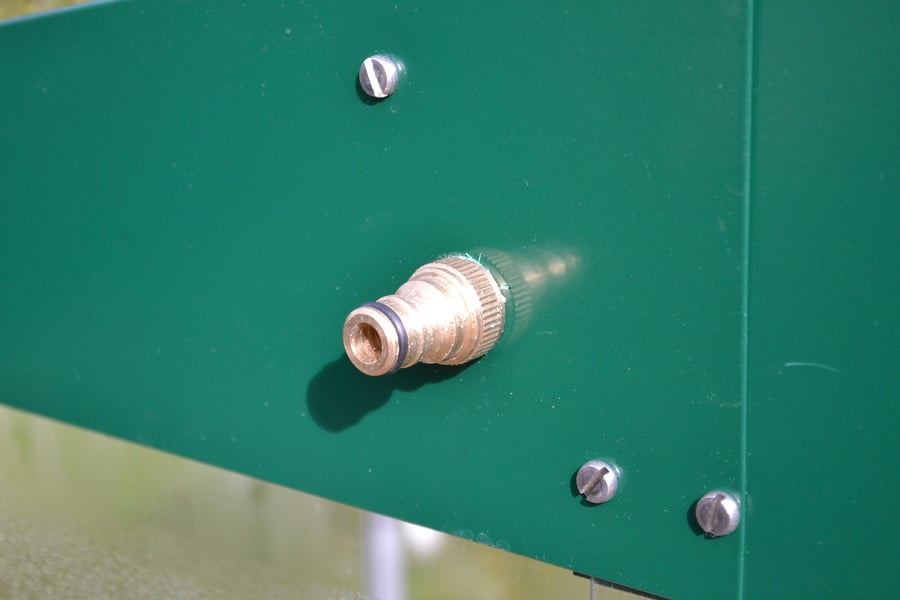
<point>379,75</point>
<point>598,481</point>
<point>718,513</point>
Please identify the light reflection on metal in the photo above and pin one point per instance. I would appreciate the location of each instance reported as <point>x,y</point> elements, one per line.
<point>526,277</point>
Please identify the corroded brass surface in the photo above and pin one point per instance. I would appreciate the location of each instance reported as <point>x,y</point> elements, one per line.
<point>450,311</point>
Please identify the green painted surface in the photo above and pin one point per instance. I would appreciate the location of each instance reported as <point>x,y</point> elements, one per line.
<point>824,296</point>
<point>195,195</point>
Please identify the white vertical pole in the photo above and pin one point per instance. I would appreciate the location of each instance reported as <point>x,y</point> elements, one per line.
<point>385,559</point>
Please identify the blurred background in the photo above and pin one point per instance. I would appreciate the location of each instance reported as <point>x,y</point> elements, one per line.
<point>83,515</point>
<point>16,8</point>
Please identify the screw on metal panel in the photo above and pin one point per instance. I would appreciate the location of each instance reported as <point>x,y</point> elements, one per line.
<point>379,74</point>
<point>598,481</point>
<point>718,513</point>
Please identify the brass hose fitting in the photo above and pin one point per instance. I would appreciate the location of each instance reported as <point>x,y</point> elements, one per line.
<point>449,312</point>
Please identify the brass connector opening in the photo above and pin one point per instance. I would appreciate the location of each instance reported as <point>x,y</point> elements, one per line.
<point>449,312</point>
<point>365,342</point>
<point>371,341</point>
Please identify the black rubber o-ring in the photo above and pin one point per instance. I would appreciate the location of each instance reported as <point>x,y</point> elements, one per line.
<point>394,318</point>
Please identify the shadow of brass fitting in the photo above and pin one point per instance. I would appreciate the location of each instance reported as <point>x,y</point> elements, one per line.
<point>449,312</point>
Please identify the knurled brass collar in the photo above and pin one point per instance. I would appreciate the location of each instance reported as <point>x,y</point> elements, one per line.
<point>449,312</point>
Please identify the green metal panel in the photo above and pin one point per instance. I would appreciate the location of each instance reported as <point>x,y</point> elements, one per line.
<point>195,195</point>
<point>823,412</point>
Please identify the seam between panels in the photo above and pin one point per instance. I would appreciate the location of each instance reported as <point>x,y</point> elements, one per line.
<point>749,76</point>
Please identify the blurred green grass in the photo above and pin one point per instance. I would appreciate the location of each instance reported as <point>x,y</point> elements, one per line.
<point>18,8</point>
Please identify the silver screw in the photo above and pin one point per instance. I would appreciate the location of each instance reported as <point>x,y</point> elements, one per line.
<point>379,74</point>
<point>598,481</point>
<point>718,513</point>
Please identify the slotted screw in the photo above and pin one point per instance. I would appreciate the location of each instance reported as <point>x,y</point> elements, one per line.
<point>598,481</point>
<point>379,74</point>
<point>718,513</point>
